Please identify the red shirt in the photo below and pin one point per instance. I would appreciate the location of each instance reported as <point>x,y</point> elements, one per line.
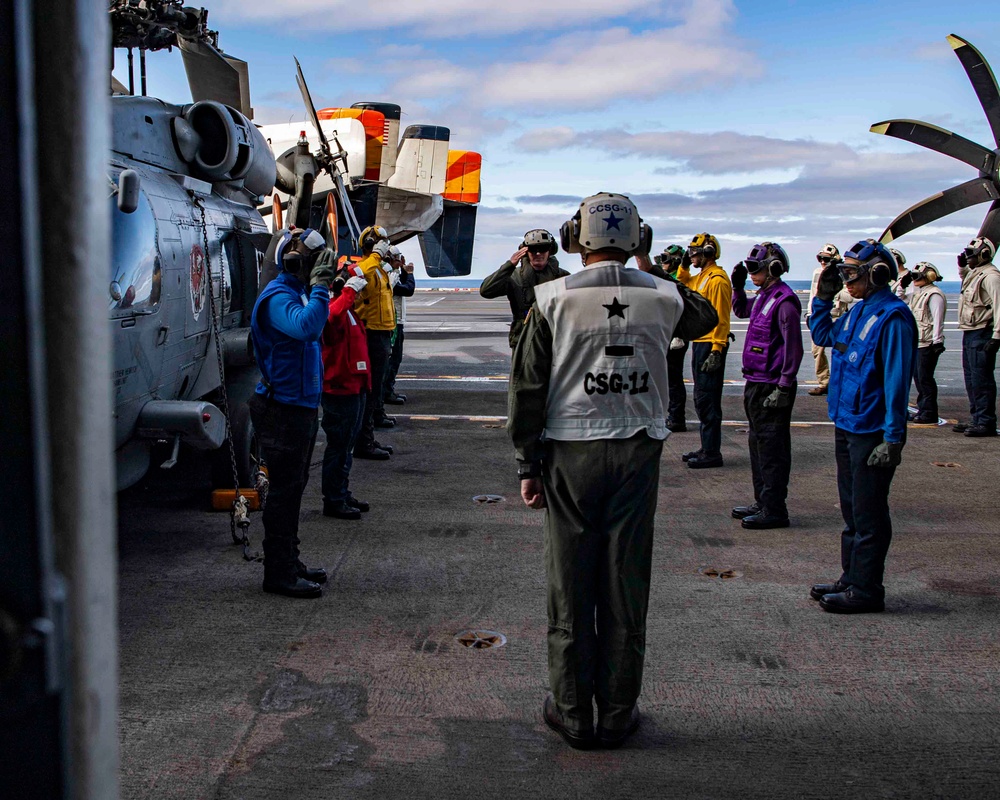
<point>346,366</point>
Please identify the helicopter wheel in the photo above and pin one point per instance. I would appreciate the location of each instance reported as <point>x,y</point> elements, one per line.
<point>245,447</point>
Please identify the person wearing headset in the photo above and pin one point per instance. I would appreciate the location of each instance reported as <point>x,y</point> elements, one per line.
<point>708,354</point>
<point>285,329</point>
<point>828,254</point>
<point>979,321</point>
<point>531,265</point>
<point>772,354</point>
<point>873,348</point>
<point>375,309</point>
<point>588,391</point>
<point>928,304</point>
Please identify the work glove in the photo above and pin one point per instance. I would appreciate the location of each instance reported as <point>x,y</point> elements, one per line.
<point>713,362</point>
<point>382,248</point>
<point>887,454</point>
<point>779,398</point>
<point>686,260</point>
<point>991,347</point>
<point>739,275</point>
<point>357,283</point>
<point>324,270</point>
<point>963,260</point>
<point>906,280</point>
<point>937,349</point>
<point>830,283</point>
<point>677,344</point>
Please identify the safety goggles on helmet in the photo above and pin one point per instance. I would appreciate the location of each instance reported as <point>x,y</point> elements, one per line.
<point>926,271</point>
<point>298,250</point>
<point>870,255</point>
<point>538,249</point>
<point>769,256</point>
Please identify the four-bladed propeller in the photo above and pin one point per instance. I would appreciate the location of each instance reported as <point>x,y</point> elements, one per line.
<point>983,189</point>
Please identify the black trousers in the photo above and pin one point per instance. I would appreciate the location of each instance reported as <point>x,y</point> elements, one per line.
<point>864,504</point>
<point>675,380</point>
<point>395,359</point>
<point>287,435</point>
<point>379,346</point>
<point>980,381</point>
<point>770,441</point>
<point>708,397</point>
<point>923,379</point>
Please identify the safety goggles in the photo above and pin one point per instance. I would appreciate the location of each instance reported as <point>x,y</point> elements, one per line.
<point>696,251</point>
<point>825,260</point>
<point>758,259</point>
<point>538,249</point>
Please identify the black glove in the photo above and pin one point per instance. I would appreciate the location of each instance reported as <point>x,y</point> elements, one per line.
<point>739,275</point>
<point>937,349</point>
<point>991,347</point>
<point>906,280</point>
<point>963,260</point>
<point>830,282</point>
<point>779,398</point>
<point>686,260</point>
<point>324,271</point>
<point>887,454</point>
<point>713,362</point>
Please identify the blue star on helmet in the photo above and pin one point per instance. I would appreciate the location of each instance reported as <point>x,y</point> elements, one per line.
<point>613,221</point>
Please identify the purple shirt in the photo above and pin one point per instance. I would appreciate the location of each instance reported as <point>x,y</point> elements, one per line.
<point>786,355</point>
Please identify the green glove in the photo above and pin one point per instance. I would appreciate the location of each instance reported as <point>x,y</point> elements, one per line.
<point>830,283</point>
<point>887,454</point>
<point>779,398</point>
<point>713,362</point>
<point>324,270</point>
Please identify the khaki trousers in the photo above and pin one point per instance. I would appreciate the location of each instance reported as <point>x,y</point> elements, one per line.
<point>822,365</point>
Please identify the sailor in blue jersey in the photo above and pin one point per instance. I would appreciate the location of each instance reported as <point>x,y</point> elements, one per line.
<point>873,348</point>
<point>286,326</point>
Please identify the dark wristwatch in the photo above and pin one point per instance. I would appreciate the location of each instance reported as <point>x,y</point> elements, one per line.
<point>529,469</point>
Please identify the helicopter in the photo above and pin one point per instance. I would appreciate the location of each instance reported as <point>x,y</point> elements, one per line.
<point>184,183</point>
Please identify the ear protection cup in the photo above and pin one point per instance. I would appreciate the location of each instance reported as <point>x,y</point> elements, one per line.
<point>710,252</point>
<point>645,239</point>
<point>775,268</point>
<point>569,234</point>
<point>880,274</point>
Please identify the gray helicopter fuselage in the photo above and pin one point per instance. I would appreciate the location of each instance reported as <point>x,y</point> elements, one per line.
<point>185,242</point>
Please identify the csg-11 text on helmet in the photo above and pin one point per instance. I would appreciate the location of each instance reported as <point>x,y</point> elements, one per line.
<point>539,238</point>
<point>606,221</point>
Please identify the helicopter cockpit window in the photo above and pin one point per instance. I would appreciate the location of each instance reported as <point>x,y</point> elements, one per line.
<point>135,263</point>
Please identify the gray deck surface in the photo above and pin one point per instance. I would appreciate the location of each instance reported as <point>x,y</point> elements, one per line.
<point>750,689</point>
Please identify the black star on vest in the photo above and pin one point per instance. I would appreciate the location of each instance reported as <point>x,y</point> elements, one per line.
<point>615,309</point>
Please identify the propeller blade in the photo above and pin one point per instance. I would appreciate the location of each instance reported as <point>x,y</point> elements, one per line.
<point>209,75</point>
<point>310,107</point>
<point>938,139</point>
<point>331,221</point>
<point>978,190</point>
<point>276,213</point>
<point>983,81</point>
<point>353,228</point>
<point>991,225</point>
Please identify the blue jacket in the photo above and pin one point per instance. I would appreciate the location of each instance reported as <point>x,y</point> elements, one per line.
<point>286,327</point>
<point>874,346</point>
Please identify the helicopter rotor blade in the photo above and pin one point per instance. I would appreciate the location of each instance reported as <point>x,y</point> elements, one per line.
<point>311,108</point>
<point>983,81</point>
<point>276,211</point>
<point>209,75</point>
<point>331,222</point>
<point>970,193</point>
<point>938,139</point>
<point>990,228</point>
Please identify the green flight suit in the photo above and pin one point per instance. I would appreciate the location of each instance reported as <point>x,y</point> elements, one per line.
<point>601,497</point>
<point>517,283</point>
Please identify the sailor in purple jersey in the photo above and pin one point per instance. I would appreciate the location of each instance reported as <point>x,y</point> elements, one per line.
<point>771,357</point>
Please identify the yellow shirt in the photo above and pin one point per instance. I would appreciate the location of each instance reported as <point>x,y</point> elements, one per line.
<point>714,285</point>
<point>374,303</point>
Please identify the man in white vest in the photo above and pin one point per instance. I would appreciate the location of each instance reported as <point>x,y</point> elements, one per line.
<point>588,400</point>
<point>928,304</point>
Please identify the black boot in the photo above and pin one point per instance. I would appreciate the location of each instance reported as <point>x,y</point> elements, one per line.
<point>292,587</point>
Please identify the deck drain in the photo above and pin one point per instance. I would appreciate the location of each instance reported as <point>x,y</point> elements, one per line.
<point>480,640</point>
<point>493,425</point>
<point>743,430</point>
<point>945,464</point>
<point>488,498</point>
<point>720,574</point>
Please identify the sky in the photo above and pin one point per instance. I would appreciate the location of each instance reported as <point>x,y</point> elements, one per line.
<point>748,120</point>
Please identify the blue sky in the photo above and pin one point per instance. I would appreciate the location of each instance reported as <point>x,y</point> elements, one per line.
<point>746,119</point>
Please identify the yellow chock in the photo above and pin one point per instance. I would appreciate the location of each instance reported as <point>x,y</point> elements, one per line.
<point>223,499</point>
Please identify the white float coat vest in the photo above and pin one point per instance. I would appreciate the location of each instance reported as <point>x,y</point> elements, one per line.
<point>920,304</point>
<point>611,330</point>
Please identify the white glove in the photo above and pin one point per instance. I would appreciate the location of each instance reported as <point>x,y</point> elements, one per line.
<point>357,283</point>
<point>676,344</point>
<point>382,248</point>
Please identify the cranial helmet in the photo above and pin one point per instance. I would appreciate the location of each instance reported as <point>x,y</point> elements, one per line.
<point>770,256</point>
<point>875,260</point>
<point>539,237</point>
<point>828,253</point>
<point>606,221</point>
<point>298,250</point>
<point>979,251</point>
<point>707,245</point>
<point>672,255</point>
<point>926,271</point>
<point>371,235</point>
<point>900,258</point>
<point>395,253</point>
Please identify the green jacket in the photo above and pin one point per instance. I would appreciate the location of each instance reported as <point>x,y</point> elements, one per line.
<point>518,284</point>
